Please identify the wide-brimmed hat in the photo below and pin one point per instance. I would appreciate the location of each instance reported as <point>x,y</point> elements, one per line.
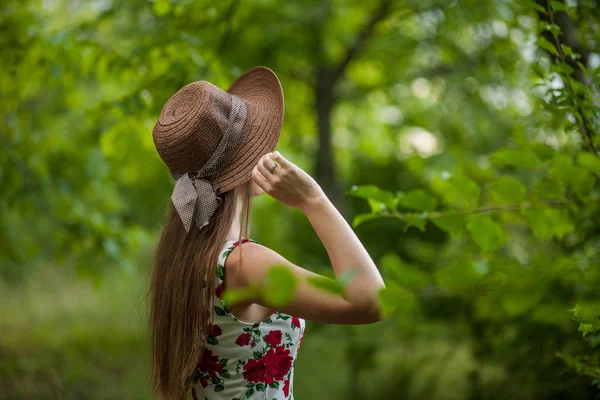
<point>211,139</point>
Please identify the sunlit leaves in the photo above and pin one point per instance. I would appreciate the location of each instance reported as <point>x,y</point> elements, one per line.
<point>558,6</point>
<point>546,45</point>
<point>589,162</point>
<point>507,189</point>
<point>549,188</point>
<point>516,158</point>
<point>458,191</point>
<point>579,178</point>
<point>548,222</point>
<point>418,199</point>
<point>486,233</point>
<point>162,7</point>
<point>451,224</point>
<point>378,198</point>
<point>360,218</point>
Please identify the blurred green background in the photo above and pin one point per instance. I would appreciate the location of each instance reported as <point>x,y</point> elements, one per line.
<point>459,137</point>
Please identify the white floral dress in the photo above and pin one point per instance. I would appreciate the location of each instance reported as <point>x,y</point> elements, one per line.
<point>245,360</point>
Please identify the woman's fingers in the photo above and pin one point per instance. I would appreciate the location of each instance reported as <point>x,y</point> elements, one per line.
<point>281,160</point>
<point>260,180</point>
<point>262,168</point>
<point>267,162</point>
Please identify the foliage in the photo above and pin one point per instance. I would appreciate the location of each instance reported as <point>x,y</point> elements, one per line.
<point>554,192</point>
<point>465,133</point>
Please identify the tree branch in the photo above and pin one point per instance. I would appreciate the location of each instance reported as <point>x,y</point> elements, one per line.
<point>484,210</point>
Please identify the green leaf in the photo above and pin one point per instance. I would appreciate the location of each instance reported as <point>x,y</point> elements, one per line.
<point>280,287</point>
<point>347,277</point>
<point>326,284</point>
<point>507,189</point>
<point>558,6</point>
<point>274,385</point>
<point>517,302</point>
<point>589,162</point>
<point>543,152</point>
<point>578,178</point>
<point>374,193</point>
<point>404,274</point>
<point>360,218</point>
<point>516,158</point>
<point>260,387</point>
<point>225,374</point>
<point>418,199</point>
<point>219,388</point>
<point>237,295</point>
<point>161,7</point>
<point>219,311</point>
<point>459,191</point>
<point>548,188</point>
<point>212,340</point>
<point>552,312</point>
<point>546,45</point>
<point>461,276</point>
<point>451,224</point>
<point>395,297</point>
<point>566,50</point>
<point>548,222</point>
<point>486,233</point>
<point>249,392</point>
<point>537,7</point>
<point>419,222</point>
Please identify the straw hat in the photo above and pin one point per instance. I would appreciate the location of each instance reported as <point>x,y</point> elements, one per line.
<point>211,139</point>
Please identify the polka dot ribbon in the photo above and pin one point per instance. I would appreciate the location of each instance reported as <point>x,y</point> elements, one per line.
<point>194,195</point>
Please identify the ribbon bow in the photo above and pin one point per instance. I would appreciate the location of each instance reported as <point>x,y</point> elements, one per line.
<point>192,192</point>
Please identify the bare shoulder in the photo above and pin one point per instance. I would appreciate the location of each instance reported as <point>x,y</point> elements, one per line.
<point>255,257</point>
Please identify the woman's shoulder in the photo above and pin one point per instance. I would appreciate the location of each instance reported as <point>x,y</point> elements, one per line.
<point>254,256</point>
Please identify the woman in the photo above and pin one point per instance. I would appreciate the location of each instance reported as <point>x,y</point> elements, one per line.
<point>218,146</point>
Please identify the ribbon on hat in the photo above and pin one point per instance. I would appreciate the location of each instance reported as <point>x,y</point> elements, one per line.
<point>192,193</point>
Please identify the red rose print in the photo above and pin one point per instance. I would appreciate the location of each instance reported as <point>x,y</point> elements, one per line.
<point>295,322</point>
<point>203,381</point>
<point>243,339</point>
<point>210,364</point>
<point>300,342</point>
<point>273,338</point>
<point>286,388</point>
<point>219,291</point>
<point>278,362</point>
<point>252,344</point>
<point>214,330</point>
<point>238,242</point>
<point>254,370</point>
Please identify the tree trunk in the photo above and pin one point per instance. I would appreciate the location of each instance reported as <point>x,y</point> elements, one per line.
<point>325,166</point>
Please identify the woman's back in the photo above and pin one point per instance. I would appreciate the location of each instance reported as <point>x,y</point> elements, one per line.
<point>244,360</point>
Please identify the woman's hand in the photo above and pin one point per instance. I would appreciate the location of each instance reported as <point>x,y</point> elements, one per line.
<point>288,183</point>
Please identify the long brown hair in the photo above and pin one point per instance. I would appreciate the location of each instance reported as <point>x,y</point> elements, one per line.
<point>181,291</point>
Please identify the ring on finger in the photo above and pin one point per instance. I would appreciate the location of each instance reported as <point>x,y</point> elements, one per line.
<point>272,168</point>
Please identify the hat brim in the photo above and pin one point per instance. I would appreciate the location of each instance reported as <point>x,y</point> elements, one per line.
<point>261,90</point>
